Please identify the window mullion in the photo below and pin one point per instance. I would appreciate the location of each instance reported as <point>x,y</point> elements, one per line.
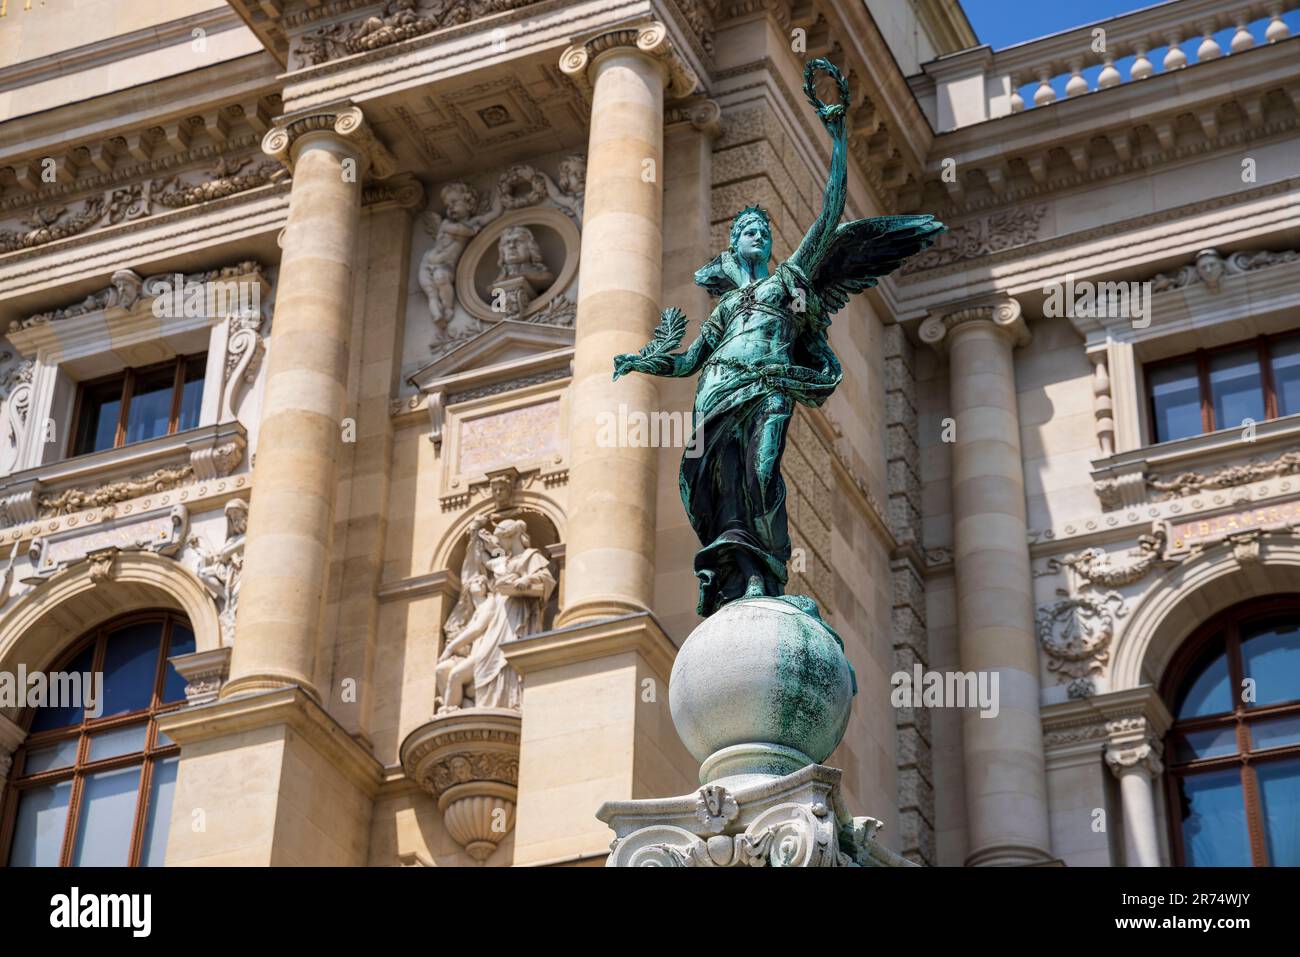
<point>1207,402</point>
<point>178,387</point>
<point>128,386</point>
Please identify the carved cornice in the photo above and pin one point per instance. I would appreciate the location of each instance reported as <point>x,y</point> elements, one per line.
<point>650,38</point>
<point>1004,314</point>
<point>346,124</point>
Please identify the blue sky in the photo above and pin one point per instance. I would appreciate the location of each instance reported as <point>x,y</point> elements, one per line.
<point>1000,23</point>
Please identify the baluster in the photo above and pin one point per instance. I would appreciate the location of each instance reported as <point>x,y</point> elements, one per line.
<point>1277,29</point>
<point>1017,101</point>
<point>1175,58</point>
<point>1109,76</point>
<point>1077,85</point>
<point>1142,67</point>
<point>1044,94</point>
<point>1241,40</point>
<point>1209,48</point>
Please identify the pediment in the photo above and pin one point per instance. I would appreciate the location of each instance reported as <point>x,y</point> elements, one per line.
<point>509,347</point>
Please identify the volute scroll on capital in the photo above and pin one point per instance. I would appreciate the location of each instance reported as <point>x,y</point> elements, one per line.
<point>347,123</point>
<point>1004,313</point>
<point>650,38</point>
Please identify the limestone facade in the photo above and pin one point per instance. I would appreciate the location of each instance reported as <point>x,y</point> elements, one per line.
<point>444,219</point>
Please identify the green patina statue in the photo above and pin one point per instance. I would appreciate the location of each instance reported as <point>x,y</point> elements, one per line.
<point>762,349</point>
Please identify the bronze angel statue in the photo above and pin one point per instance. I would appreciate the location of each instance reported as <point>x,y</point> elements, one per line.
<point>762,349</point>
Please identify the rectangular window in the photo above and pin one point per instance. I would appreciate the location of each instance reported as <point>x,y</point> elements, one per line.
<point>139,404</point>
<point>1224,388</point>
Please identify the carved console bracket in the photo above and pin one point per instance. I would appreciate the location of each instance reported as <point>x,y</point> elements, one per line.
<point>469,761</point>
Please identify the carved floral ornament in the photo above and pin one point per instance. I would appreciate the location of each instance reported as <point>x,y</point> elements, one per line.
<point>1131,490</point>
<point>1209,268</point>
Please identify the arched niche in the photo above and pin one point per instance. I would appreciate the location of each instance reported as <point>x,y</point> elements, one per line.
<point>41,622</point>
<point>545,524</point>
<point>1188,594</point>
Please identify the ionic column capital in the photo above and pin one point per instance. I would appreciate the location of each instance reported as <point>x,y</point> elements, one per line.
<point>649,38</point>
<point>702,114</point>
<point>346,124</point>
<point>1003,313</point>
<point>1143,758</point>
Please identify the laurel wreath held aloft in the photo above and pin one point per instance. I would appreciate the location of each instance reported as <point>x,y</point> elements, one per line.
<point>826,111</point>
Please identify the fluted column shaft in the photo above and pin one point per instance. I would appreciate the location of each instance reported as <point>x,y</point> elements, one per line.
<point>612,488</point>
<point>286,555</point>
<point>1005,775</point>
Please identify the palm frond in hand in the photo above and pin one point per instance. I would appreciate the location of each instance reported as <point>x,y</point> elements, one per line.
<point>667,335</point>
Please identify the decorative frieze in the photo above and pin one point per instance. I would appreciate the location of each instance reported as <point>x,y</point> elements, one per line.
<point>1209,268</point>
<point>1094,566</point>
<point>162,533</point>
<point>228,177</point>
<point>1228,476</point>
<point>981,236</point>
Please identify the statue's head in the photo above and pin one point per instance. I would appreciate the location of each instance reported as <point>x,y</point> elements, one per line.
<point>511,531</point>
<point>751,235</point>
<point>517,247</point>
<point>460,200</point>
<point>236,517</point>
<point>573,174</point>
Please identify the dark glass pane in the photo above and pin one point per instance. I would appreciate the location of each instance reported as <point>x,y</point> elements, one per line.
<point>182,644</point>
<point>1279,797</point>
<point>130,665</point>
<point>1213,817</point>
<point>101,405</point>
<point>119,741</point>
<point>1206,691</point>
<point>107,818</point>
<point>47,719</point>
<point>38,832</point>
<point>159,819</point>
<point>151,404</point>
<point>1286,374</point>
<point>1275,732</point>
<point>1210,743</point>
<point>1176,400</point>
<point>62,754</point>
<point>1270,654</point>
<point>1236,387</point>
<point>191,393</point>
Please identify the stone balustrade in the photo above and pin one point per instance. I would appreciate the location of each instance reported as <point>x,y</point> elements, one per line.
<point>979,84</point>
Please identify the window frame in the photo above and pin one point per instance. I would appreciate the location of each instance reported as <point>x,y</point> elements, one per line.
<point>1201,358</point>
<point>145,759</point>
<point>1225,628</point>
<point>128,376</point>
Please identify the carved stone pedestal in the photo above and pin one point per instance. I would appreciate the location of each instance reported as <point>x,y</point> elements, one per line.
<point>760,694</point>
<point>469,761</point>
<point>793,821</point>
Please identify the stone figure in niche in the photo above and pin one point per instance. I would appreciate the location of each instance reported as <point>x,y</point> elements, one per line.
<point>451,231</point>
<point>220,569</point>
<point>126,286</point>
<point>763,349</point>
<point>523,273</point>
<point>505,586</point>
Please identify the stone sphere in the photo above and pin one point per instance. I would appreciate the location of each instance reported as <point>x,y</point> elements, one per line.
<point>761,670</point>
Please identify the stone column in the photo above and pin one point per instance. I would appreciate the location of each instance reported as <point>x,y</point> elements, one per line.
<point>1006,785</point>
<point>1137,765</point>
<point>286,557</point>
<point>610,537</point>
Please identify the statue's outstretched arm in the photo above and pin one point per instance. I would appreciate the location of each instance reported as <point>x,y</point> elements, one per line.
<point>657,358</point>
<point>832,115</point>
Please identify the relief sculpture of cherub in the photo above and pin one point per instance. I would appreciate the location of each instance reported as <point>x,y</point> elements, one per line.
<point>451,231</point>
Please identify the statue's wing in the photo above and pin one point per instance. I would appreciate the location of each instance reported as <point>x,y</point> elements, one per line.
<point>866,249</point>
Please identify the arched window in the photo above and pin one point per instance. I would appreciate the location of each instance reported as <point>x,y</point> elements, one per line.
<point>92,789</point>
<point>1233,752</point>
